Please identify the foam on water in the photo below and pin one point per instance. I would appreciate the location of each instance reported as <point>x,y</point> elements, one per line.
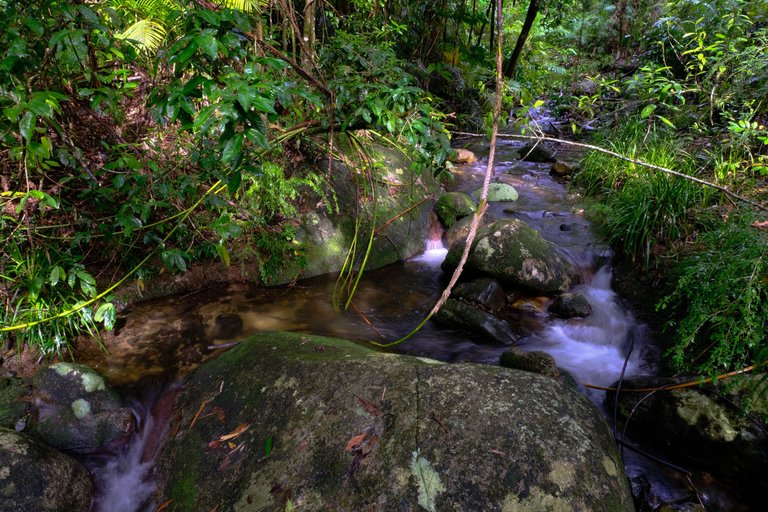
<point>594,349</point>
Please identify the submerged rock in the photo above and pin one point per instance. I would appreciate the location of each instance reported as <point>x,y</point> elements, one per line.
<point>326,424</point>
<point>515,254</point>
<point>77,411</point>
<point>453,206</point>
<point>36,478</point>
<point>469,316</point>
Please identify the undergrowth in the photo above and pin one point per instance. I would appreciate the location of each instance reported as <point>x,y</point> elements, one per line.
<point>719,302</point>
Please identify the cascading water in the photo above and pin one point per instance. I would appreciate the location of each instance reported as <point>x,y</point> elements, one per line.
<point>594,349</point>
<point>122,478</point>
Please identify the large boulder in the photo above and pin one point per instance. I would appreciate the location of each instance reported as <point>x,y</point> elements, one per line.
<point>515,254</point>
<point>498,193</point>
<point>12,401</point>
<point>36,478</point>
<point>295,421</point>
<point>705,425</point>
<point>77,411</point>
<point>453,206</point>
<point>398,213</point>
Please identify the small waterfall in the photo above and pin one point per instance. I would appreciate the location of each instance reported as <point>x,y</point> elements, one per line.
<point>434,250</point>
<point>594,349</point>
<point>123,478</point>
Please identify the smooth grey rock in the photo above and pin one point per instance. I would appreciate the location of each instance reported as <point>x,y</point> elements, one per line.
<point>561,169</point>
<point>330,425</point>
<point>36,478</point>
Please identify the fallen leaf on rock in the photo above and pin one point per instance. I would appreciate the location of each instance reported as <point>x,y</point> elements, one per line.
<point>163,505</point>
<point>369,406</point>
<point>236,432</point>
<point>355,441</point>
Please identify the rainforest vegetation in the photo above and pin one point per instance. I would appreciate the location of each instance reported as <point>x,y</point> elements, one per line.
<point>138,137</point>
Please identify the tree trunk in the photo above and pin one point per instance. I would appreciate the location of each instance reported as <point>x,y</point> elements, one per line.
<point>309,35</point>
<point>530,17</point>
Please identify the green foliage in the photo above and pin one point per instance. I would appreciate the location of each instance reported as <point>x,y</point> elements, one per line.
<point>642,209</point>
<point>373,91</point>
<point>720,300</point>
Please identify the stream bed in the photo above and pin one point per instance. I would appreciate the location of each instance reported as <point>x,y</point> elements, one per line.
<point>161,338</point>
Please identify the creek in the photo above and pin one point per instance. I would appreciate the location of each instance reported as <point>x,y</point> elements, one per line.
<point>159,339</point>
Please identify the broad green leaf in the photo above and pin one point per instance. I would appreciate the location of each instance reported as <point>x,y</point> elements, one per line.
<point>223,253</point>
<point>233,148</point>
<point>27,125</point>
<point>647,111</point>
<point>264,104</point>
<point>57,273</point>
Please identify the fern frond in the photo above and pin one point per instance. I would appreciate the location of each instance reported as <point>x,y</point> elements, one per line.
<point>147,35</point>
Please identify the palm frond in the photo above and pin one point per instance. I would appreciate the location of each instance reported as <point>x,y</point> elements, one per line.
<point>147,35</point>
<point>244,5</point>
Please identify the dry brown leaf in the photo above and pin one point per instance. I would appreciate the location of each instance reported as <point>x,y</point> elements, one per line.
<point>760,224</point>
<point>163,505</point>
<point>355,441</point>
<point>369,406</point>
<point>236,432</point>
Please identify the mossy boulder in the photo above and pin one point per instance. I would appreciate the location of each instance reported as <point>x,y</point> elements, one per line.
<point>326,424</point>
<point>453,206</point>
<point>398,213</point>
<point>535,361</point>
<point>516,255</point>
<point>77,411</point>
<point>12,406</point>
<point>36,478</point>
<point>498,193</point>
<point>702,424</point>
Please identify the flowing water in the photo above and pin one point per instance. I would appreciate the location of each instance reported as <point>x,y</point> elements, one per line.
<point>174,335</point>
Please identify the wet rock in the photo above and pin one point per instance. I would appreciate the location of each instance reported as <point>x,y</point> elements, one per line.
<point>464,156</point>
<point>463,315</point>
<point>12,408</point>
<point>499,193</point>
<point>36,478</point>
<point>327,424</point>
<point>699,425</point>
<point>537,152</point>
<point>536,362</point>
<point>516,255</point>
<point>561,169</point>
<point>570,305</point>
<point>76,411</point>
<point>484,291</point>
<point>460,230</point>
<point>453,206</point>
<point>227,326</point>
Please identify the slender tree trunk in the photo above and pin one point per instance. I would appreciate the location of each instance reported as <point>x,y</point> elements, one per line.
<point>482,27</point>
<point>530,17</point>
<point>492,39</point>
<point>309,35</point>
<point>472,25</point>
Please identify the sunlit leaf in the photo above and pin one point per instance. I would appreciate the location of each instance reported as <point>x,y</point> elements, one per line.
<point>147,35</point>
